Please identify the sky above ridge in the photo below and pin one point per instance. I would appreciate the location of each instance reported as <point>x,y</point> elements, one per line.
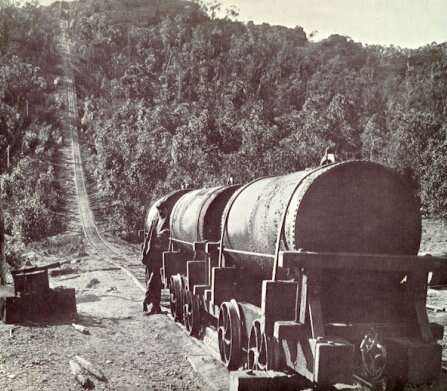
<point>405,23</point>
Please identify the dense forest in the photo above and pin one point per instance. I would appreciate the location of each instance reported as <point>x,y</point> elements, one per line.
<point>173,94</point>
<point>29,133</point>
<point>170,94</point>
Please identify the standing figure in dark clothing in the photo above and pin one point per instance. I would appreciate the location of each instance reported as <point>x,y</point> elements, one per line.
<point>329,156</point>
<point>157,242</point>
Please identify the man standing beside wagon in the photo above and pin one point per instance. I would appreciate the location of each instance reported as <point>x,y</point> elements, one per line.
<point>157,241</point>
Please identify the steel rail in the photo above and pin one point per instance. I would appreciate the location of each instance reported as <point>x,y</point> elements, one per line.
<point>249,253</point>
<point>182,242</point>
<point>89,227</point>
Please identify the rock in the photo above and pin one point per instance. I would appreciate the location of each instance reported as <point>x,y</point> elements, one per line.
<point>76,369</point>
<point>93,282</point>
<point>81,329</point>
<point>95,371</point>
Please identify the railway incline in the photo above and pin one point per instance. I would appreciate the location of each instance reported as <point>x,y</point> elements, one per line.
<point>134,352</point>
<point>85,213</point>
<point>122,258</point>
<point>148,353</point>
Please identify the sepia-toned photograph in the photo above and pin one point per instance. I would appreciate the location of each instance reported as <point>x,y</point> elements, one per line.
<point>223,195</point>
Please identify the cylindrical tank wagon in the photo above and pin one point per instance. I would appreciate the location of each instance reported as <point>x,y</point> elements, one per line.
<point>196,216</point>
<point>169,200</point>
<point>315,272</point>
<point>349,207</point>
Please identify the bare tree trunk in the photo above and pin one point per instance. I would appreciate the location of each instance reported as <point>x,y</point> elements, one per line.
<point>2,252</point>
<point>179,86</point>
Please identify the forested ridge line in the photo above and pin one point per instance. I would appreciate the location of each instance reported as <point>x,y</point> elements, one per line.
<point>31,197</point>
<point>169,93</point>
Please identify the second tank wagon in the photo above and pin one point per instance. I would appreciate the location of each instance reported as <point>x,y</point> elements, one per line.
<point>196,216</point>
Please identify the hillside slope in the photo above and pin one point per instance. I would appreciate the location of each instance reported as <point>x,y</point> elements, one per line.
<point>179,96</point>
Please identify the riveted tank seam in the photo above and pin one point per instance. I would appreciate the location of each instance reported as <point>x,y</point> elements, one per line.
<point>227,210</point>
<point>212,199</point>
<point>181,216</point>
<point>284,218</point>
<point>313,179</point>
<point>253,210</point>
<point>210,196</point>
<point>299,194</point>
<point>303,190</point>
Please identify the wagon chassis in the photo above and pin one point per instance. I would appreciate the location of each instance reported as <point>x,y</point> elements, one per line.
<point>293,338</point>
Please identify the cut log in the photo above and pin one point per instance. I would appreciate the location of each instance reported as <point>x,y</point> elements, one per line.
<point>84,381</point>
<point>81,329</point>
<point>91,368</point>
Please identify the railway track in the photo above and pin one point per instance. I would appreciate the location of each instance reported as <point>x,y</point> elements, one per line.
<point>204,360</point>
<point>86,217</point>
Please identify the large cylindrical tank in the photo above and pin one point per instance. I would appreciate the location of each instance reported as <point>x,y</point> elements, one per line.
<point>196,216</point>
<point>169,200</point>
<point>354,206</point>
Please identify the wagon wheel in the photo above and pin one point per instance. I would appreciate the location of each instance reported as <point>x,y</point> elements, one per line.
<point>3,311</point>
<point>254,345</point>
<point>374,356</point>
<point>270,357</point>
<point>191,313</point>
<point>176,297</point>
<point>392,384</point>
<point>172,295</point>
<point>230,334</point>
<point>183,292</point>
<point>374,364</point>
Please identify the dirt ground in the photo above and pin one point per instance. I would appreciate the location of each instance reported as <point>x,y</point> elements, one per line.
<point>434,237</point>
<point>435,243</point>
<point>134,352</point>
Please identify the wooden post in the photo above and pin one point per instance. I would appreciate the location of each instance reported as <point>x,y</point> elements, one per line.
<point>315,312</point>
<point>418,295</point>
<point>303,299</point>
<point>298,297</point>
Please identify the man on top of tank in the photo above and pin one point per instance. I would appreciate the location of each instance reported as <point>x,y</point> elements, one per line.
<point>329,156</point>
